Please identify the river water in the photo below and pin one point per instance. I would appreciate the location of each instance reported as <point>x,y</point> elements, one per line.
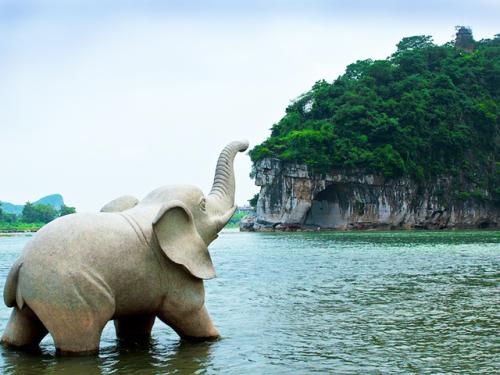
<point>302,303</point>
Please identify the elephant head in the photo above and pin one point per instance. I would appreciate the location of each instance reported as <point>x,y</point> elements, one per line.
<point>186,221</point>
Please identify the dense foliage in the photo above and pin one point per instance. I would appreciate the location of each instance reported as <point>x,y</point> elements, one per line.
<point>6,217</point>
<point>425,111</point>
<point>33,217</point>
<point>66,210</point>
<point>40,213</point>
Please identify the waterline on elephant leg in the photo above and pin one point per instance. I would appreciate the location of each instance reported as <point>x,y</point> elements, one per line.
<point>70,353</point>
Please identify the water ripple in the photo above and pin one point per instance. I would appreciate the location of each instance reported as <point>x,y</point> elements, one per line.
<point>345,302</point>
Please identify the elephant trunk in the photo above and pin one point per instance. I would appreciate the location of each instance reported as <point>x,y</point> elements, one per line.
<point>221,197</point>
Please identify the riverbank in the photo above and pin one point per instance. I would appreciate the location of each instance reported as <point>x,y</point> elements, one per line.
<point>7,228</point>
<point>292,228</point>
<point>251,224</point>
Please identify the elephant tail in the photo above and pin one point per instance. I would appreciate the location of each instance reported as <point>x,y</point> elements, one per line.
<point>11,294</point>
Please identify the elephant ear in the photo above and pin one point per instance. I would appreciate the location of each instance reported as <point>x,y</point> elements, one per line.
<point>178,238</point>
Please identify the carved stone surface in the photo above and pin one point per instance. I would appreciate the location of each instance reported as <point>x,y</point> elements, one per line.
<point>133,262</point>
<point>292,198</point>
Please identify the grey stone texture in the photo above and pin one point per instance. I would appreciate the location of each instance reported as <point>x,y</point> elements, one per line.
<point>294,198</point>
<point>132,263</point>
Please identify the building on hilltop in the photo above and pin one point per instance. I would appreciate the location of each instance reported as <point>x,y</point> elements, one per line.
<point>464,39</point>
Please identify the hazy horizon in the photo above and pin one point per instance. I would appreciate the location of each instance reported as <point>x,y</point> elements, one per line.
<point>105,98</point>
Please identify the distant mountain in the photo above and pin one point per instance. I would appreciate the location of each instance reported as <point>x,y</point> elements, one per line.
<point>55,200</point>
<point>11,208</point>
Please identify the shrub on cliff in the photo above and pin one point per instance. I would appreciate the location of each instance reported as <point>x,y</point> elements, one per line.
<point>427,110</point>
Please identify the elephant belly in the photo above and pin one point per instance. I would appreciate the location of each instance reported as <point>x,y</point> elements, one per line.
<point>89,261</point>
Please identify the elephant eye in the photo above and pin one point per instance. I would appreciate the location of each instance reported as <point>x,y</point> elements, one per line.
<point>202,204</point>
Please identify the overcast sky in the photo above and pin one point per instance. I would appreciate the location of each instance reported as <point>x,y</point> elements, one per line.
<point>104,98</point>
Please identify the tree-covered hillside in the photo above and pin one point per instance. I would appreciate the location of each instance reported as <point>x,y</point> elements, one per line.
<point>425,111</point>
<point>54,200</point>
<point>32,216</point>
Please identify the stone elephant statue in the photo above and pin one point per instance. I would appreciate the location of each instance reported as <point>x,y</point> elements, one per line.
<point>132,262</point>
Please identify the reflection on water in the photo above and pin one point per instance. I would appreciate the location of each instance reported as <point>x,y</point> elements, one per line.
<point>146,358</point>
<point>343,302</point>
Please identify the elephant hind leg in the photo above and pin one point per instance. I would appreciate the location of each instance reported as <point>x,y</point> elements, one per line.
<point>136,327</point>
<point>75,331</point>
<point>78,333</point>
<point>24,329</point>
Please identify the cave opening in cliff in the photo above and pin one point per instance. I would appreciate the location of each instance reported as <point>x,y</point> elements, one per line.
<point>327,207</point>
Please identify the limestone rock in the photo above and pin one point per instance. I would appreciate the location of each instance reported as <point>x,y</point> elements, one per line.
<point>294,198</point>
<point>247,223</point>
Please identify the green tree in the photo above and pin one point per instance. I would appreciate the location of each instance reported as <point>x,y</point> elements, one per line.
<point>414,42</point>
<point>253,200</point>
<point>29,213</point>
<point>6,217</point>
<point>40,213</point>
<point>66,210</point>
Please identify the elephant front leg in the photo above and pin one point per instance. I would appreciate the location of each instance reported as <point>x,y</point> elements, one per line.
<point>194,325</point>
<point>134,327</point>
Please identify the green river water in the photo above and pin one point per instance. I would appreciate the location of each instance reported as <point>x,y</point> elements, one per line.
<point>328,303</point>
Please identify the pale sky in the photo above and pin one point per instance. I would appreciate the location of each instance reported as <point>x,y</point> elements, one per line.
<point>104,98</point>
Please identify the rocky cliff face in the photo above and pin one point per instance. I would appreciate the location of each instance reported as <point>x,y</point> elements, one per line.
<point>292,197</point>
